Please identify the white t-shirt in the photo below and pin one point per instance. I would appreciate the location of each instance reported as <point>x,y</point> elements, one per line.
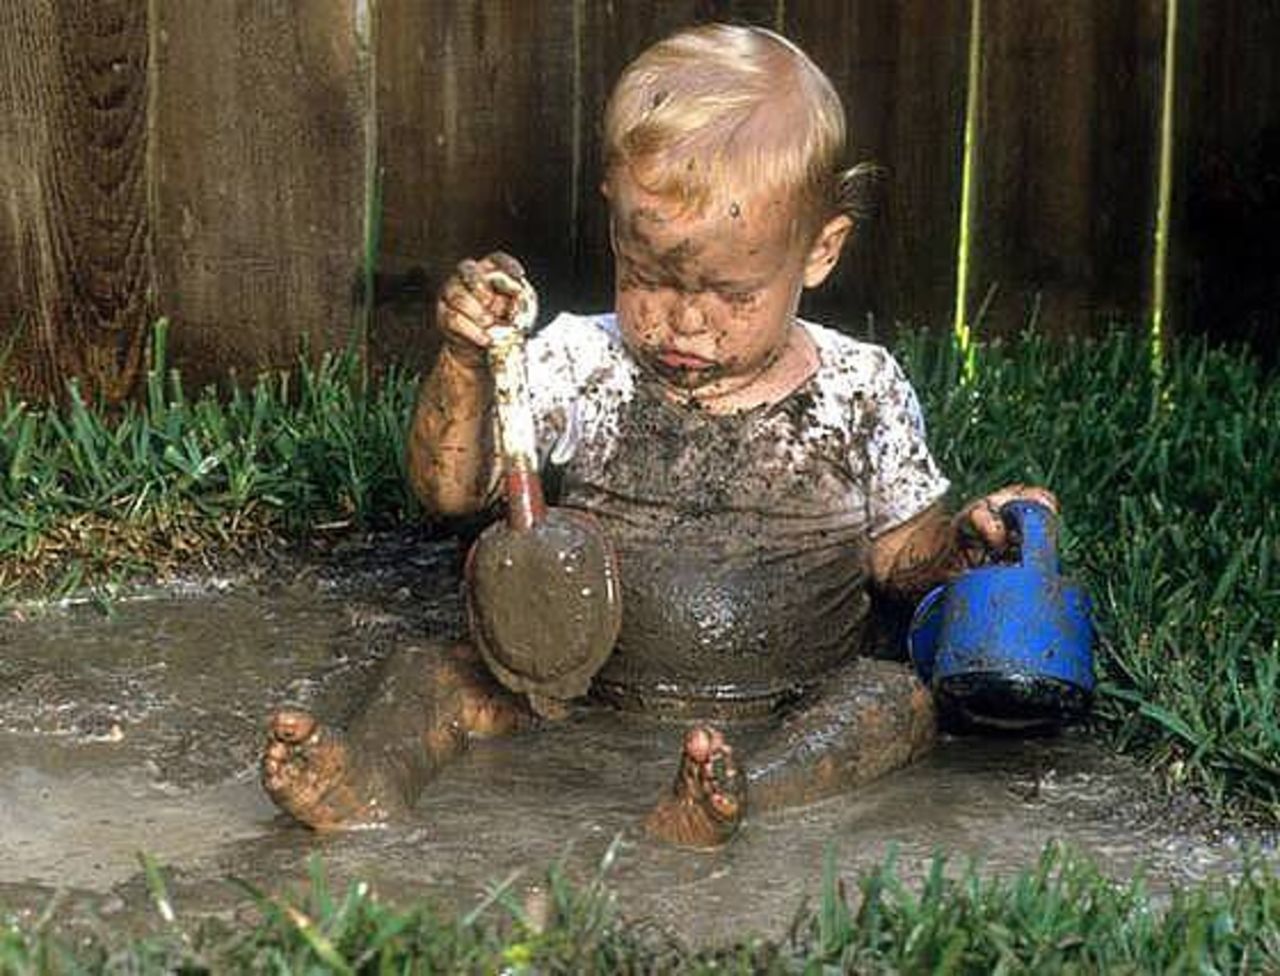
<point>742,539</point>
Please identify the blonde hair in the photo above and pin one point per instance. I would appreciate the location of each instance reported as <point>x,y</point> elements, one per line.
<point>721,106</point>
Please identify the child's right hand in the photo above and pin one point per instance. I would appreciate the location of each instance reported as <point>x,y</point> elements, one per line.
<point>471,303</point>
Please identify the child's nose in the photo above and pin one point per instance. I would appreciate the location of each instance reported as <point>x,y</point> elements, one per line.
<point>686,316</point>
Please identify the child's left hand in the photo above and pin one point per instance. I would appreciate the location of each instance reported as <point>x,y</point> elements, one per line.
<point>982,531</point>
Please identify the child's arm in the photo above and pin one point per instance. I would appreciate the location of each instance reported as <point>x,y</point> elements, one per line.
<point>450,454</point>
<point>932,548</point>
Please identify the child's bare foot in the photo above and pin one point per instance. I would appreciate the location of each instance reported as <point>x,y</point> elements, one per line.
<point>707,800</point>
<point>306,771</point>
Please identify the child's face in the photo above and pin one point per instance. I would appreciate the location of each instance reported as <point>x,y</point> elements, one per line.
<point>707,300</point>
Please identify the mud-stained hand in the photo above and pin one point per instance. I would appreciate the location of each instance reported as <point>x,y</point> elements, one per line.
<point>474,300</point>
<point>980,528</point>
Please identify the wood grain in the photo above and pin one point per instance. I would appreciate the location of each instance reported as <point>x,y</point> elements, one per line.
<point>260,179</point>
<point>1068,140</point>
<point>216,162</point>
<point>74,249</point>
<point>899,68</point>
<point>1226,263</point>
<point>475,137</point>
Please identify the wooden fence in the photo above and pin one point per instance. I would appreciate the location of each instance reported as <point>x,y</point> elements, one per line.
<point>269,172</point>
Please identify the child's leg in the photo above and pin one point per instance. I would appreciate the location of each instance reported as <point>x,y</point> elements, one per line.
<point>872,717</point>
<point>427,704</point>
<point>869,718</point>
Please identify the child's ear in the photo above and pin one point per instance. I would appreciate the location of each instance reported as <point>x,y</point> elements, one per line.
<point>825,250</point>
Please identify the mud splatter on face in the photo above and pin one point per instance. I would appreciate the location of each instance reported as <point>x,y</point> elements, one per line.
<point>636,221</point>
<point>677,261</point>
<point>685,378</point>
<point>707,295</point>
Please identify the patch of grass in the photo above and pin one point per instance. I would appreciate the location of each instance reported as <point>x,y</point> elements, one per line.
<point>1168,487</point>
<point>178,481</point>
<point>1060,916</point>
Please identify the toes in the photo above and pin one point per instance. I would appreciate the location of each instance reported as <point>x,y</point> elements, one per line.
<point>277,752</point>
<point>698,743</point>
<point>272,768</point>
<point>292,727</point>
<point>299,756</point>
<point>704,745</point>
<point>306,770</point>
<point>724,806</point>
<point>708,802</point>
<point>721,783</point>
<point>708,773</point>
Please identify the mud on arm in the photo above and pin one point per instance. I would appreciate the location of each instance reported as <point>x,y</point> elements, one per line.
<point>450,451</point>
<point>933,547</point>
<point>921,553</point>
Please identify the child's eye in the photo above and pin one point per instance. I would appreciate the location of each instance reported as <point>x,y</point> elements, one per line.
<point>741,297</point>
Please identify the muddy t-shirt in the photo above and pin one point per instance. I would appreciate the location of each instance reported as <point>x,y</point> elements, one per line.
<point>742,539</point>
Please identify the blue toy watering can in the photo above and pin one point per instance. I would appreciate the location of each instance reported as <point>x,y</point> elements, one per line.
<point>1009,646</point>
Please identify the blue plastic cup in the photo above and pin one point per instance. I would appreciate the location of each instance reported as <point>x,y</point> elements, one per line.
<point>1009,646</point>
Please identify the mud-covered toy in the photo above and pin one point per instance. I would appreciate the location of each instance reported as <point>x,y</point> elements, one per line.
<point>542,585</point>
<point>1011,645</point>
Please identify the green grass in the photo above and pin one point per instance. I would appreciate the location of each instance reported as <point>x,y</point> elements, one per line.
<point>1167,492</point>
<point>1169,520</point>
<point>87,497</point>
<point>1059,916</point>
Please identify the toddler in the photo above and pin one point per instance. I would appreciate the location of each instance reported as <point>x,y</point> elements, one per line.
<point>757,474</point>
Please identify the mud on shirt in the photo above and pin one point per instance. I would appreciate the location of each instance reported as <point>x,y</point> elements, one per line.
<point>742,539</point>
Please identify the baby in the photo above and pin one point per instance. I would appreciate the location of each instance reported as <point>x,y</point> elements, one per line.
<point>756,473</point>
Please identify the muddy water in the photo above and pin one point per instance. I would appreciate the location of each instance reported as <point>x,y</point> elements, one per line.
<point>138,731</point>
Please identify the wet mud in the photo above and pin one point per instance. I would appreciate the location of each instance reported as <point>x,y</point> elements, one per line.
<point>139,732</point>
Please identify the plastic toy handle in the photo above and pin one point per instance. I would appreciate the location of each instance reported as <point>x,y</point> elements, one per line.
<point>517,435</point>
<point>1036,528</point>
<point>517,440</point>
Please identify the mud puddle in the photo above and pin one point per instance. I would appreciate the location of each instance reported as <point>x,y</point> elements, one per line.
<point>138,731</point>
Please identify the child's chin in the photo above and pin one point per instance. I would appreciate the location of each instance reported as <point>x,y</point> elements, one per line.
<point>687,378</point>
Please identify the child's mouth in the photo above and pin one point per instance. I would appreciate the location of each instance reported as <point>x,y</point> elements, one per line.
<point>684,370</point>
<point>682,362</point>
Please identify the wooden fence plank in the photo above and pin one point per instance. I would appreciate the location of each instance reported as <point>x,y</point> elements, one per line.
<point>1227,194</point>
<point>476,143</point>
<point>899,67</point>
<point>260,169</point>
<point>74,262</point>
<point>1067,162</point>
<point>217,158</point>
